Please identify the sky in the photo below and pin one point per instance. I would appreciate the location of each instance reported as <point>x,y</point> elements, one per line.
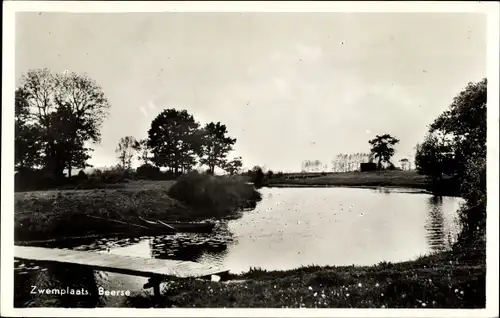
<point>288,86</point>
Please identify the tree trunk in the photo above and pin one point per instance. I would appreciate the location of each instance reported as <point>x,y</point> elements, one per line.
<point>379,165</point>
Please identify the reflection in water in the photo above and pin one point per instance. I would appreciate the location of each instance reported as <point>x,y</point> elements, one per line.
<point>438,237</point>
<point>192,247</point>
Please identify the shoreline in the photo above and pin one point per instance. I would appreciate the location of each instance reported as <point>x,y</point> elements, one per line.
<point>372,187</point>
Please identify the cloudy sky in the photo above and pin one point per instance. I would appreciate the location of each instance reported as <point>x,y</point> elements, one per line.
<point>289,86</point>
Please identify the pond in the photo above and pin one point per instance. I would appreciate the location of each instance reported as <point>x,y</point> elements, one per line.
<point>289,228</point>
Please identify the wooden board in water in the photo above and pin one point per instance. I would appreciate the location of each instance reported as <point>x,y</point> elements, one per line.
<point>105,261</point>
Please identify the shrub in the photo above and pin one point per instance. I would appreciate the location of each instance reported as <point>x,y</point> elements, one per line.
<point>113,175</point>
<point>26,179</point>
<point>214,196</point>
<point>82,176</point>
<point>147,171</point>
<point>258,177</point>
<point>270,174</point>
<point>473,214</point>
<point>278,175</point>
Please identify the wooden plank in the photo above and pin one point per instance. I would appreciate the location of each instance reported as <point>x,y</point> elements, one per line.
<point>105,261</point>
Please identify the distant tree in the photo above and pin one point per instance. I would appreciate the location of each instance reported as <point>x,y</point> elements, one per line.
<point>270,174</point>
<point>383,148</point>
<point>141,147</point>
<point>125,151</point>
<point>404,163</point>
<point>333,163</point>
<point>233,166</point>
<point>257,176</point>
<point>216,145</point>
<point>174,140</point>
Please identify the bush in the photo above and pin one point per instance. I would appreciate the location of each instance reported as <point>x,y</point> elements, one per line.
<point>82,176</point>
<point>27,179</point>
<point>258,177</point>
<point>214,196</point>
<point>368,166</point>
<point>147,171</point>
<point>473,214</point>
<point>270,174</point>
<point>113,175</point>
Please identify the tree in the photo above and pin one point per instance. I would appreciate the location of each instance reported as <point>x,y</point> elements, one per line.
<point>434,157</point>
<point>233,166</point>
<point>141,147</point>
<point>174,140</point>
<point>257,176</point>
<point>27,142</point>
<point>383,148</point>
<point>404,164</point>
<point>463,125</point>
<point>215,146</point>
<point>127,146</point>
<point>67,111</point>
<point>473,214</point>
<point>463,128</point>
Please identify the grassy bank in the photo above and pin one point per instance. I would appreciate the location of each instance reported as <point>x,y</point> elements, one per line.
<point>56,214</point>
<point>409,179</point>
<point>453,279</point>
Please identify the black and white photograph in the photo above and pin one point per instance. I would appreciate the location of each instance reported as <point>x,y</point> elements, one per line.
<point>166,157</point>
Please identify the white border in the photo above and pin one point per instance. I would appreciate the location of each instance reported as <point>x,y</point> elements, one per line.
<point>9,9</point>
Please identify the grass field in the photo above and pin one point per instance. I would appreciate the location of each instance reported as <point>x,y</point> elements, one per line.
<point>453,279</point>
<point>56,214</point>
<point>410,179</point>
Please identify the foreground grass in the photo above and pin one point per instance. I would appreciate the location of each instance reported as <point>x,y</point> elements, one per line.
<point>396,178</point>
<point>57,214</point>
<point>445,280</point>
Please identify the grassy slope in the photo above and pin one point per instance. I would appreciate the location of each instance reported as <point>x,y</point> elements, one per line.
<point>383,178</point>
<point>443,280</point>
<point>41,214</point>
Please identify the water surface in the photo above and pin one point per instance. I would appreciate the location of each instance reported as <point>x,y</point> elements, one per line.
<point>289,228</point>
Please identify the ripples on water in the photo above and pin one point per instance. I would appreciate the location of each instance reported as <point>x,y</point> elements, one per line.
<point>289,228</point>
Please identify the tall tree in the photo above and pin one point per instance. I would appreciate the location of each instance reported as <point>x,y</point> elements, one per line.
<point>27,142</point>
<point>125,151</point>
<point>463,125</point>
<point>174,140</point>
<point>141,147</point>
<point>216,146</point>
<point>463,128</point>
<point>68,110</point>
<point>383,148</point>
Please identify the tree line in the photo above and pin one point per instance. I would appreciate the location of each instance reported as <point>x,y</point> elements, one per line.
<point>58,117</point>
<point>178,143</point>
<point>382,150</point>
